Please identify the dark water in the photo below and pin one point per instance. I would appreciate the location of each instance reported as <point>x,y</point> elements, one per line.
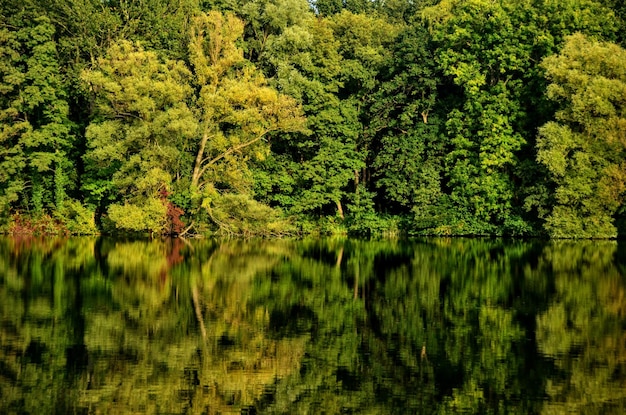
<point>437,326</point>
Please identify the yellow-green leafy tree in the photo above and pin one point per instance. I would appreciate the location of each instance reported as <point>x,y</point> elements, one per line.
<point>164,128</point>
<point>136,141</point>
<point>237,114</point>
<point>584,148</point>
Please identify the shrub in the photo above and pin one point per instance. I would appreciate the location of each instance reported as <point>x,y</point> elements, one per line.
<point>240,215</point>
<point>150,216</point>
<point>78,219</point>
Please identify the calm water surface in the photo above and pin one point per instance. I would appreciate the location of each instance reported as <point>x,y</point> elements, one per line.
<point>435,326</point>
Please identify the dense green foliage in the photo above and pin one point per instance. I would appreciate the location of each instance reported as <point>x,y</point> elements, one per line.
<point>456,117</point>
<point>434,326</point>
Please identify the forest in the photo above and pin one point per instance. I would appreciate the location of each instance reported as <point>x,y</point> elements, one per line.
<point>291,117</point>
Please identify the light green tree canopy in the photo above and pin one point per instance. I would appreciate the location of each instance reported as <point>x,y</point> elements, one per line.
<point>188,128</point>
<point>584,149</point>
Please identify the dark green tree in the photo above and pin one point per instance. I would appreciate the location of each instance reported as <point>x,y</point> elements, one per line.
<point>478,49</point>
<point>488,50</point>
<point>407,148</point>
<point>330,65</point>
<point>36,136</point>
<point>322,162</point>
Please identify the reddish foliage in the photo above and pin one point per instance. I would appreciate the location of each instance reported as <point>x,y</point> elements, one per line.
<point>44,225</point>
<point>173,217</point>
<point>174,213</point>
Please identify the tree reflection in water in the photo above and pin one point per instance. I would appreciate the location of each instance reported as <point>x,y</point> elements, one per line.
<point>314,326</point>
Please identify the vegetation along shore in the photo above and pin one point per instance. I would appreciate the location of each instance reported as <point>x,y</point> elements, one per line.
<point>289,117</point>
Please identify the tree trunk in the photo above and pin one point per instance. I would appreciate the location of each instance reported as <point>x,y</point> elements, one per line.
<point>197,168</point>
<point>340,209</point>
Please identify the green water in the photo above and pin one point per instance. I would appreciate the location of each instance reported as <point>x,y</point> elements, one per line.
<point>435,326</point>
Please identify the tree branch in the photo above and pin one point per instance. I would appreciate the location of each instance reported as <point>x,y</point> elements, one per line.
<point>236,148</point>
<point>199,171</point>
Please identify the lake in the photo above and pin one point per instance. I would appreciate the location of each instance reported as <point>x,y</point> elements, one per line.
<point>331,326</point>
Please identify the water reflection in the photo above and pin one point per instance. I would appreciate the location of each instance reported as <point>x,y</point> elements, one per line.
<point>334,326</point>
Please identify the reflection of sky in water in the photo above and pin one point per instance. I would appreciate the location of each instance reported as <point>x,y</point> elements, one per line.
<point>336,326</point>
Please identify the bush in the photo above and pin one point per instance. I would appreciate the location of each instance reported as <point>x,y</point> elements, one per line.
<point>240,215</point>
<point>78,219</point>
<point>150,216</point>
<point>42,224</point>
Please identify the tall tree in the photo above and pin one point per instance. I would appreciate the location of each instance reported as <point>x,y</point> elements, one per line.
<point>236,108</point>
<point>323,162</point>
<point>330,65</point>
<point>488,50</point>
<point>36,134</point>
<point>162,126</point>
<point>584,149</point>
<point>407,148</point>
<point>478,50</point>
<point>141,126</point>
